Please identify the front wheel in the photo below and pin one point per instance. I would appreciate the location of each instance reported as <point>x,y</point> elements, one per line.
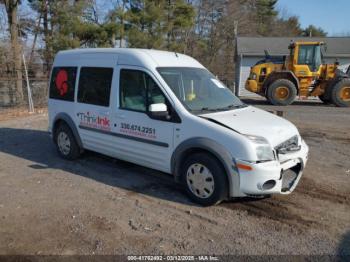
<point>340,93</point>
<point>204,179</point>
<point>281,92</point>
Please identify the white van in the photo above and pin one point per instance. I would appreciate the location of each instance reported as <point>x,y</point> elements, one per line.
<point>165,111</point>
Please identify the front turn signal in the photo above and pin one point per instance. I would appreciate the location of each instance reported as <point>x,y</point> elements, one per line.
<point>244,167</point>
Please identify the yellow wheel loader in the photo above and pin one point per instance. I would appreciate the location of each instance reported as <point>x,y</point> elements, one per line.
<point>303,73</point>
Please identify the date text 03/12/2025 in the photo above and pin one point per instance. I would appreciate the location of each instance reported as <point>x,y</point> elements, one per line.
<point>173,258</point>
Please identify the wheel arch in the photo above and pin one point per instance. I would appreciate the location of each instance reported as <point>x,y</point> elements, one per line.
<point>66,119</point>
<point>281,75</point>
<point>212,148</point>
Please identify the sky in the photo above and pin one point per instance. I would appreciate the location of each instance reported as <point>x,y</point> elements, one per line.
<point>331,15</point>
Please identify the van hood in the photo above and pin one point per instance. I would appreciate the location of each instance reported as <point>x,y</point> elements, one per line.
<point>257,122</point>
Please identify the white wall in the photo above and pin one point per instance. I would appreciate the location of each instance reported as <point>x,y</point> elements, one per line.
<point>248,62</point>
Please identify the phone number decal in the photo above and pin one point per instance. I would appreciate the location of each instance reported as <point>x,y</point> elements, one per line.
<point>137,130</point>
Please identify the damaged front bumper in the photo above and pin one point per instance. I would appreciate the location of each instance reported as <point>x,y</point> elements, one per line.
<point>273,177</point>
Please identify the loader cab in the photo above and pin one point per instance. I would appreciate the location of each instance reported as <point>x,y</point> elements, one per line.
<point>307,57</point>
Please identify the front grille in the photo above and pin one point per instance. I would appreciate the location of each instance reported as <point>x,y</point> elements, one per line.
<point>289,176</point>
<point>290,145</point>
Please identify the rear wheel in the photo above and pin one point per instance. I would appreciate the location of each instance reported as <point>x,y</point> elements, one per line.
<point>281,92</point>
<point>324,99</point>
<point>204,179</point>
<point>66,144</point>
<point>340,93</point>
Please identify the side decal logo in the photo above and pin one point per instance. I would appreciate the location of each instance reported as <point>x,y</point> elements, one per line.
<point>94,121</point>
<point>61,82</point>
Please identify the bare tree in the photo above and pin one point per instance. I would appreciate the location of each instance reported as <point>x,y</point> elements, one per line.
<point>11,7</point>
<point>213,38</point>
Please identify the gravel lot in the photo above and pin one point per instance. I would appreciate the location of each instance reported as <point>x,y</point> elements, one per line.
<point>99,205</point>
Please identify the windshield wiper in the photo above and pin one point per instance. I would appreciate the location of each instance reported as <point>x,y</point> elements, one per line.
<point>207,109</point>
<point>220,108</point>
<point>231,107</point>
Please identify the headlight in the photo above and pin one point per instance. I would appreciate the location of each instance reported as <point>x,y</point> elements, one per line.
<point>263,149</point>
<point>291,145</point>
<point>264,153</point>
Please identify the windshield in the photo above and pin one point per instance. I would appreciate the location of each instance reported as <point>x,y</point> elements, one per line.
<point>199,90</point>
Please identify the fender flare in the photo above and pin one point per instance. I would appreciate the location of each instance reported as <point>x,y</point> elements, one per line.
<point>213,148</point>
<point>68,120</point>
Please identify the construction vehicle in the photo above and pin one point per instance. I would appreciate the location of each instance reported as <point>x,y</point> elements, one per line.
<point>303,73</point>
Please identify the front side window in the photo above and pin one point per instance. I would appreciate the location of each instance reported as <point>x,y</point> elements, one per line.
<point>138,90</point>
<point>95,85</point>
<point>199,90</point>
<point>62,83</point>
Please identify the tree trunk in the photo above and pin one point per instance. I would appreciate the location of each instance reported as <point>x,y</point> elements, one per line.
<point>47,37</point>
<point>11,9</point>
<point>122,24</point>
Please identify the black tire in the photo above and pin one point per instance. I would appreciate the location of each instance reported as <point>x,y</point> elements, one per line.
<point>74,150</point>
<point>326,96</point>
<point>324,99</point>
<point>272,95</point>
<point>220,188</point>
<point>338,91</point>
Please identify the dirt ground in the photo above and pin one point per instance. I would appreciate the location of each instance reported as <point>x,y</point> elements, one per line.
<point>99,205</point>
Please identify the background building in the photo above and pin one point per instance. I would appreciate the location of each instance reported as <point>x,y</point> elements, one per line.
<point>249,50</point>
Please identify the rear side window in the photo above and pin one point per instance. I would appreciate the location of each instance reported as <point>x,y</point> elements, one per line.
<point>63,83</point>
<point>95,85</point>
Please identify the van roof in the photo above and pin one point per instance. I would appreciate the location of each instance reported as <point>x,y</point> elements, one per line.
<point>133,56</point>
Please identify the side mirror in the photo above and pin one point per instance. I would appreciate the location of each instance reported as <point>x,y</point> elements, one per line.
<point>158,111</point>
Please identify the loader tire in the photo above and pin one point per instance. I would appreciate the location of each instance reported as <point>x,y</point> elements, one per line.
<point>281,92</point>
<point>340,93</point>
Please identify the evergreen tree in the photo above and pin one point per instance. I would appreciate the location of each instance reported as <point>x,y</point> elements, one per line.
<point>146,21</point>
<point>180,19</point>
<point>71,24</point>
<point>161,24</point>
<point>266,14</point>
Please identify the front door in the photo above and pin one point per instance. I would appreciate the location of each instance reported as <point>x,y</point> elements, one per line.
<point>141,138</point>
